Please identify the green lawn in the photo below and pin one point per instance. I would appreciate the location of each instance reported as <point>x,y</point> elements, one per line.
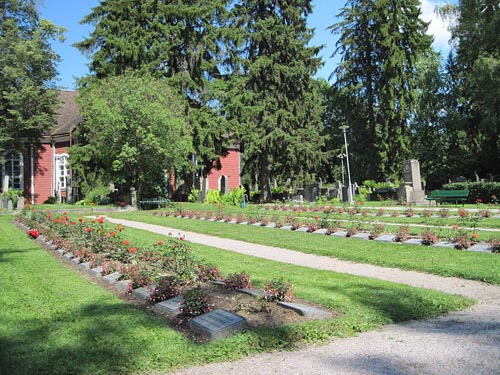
<point>55,321</point>
<point>439,261</point>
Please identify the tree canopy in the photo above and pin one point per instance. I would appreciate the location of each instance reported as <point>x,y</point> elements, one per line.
<point>28,99</point>
<point>379,44</point>
<point>135,131</point>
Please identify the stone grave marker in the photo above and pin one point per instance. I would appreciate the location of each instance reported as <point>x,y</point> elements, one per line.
<point>217,324</point>
<point>302,229</point>
<point>386,238</point>
<point>122,285</point>
<point>170,306</point>
<point>340,233</point>
<point>321,231</point>
<point>96,272</point>
<point>271,225</point>
<point>306,310</point>
<point>286,227</point>
<point>361,235</point>
<point>84,266</point>
<point>251,292</point>
<point>142,293</point>
<point>449,245</point>
<point>75,260</point>
<point>413,241</point>
<point>111,278</point>
<point>482,248</point>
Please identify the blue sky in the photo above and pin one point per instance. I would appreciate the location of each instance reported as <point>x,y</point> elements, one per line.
<point>74,65</point>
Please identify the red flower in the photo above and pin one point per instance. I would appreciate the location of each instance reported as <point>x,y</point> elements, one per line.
<point>80,220</point>
<point>73,222</point>
<point>100,219</point>
<point>88,229</point>
<point>316,217</point>
<point>475,235</point>
<point>479,200</point>
<point>160,242</point>
<point>112,233</point>
<point>132,249</point>
<point>455,227</point>
<point>126,242</point>
<point>65,213</point>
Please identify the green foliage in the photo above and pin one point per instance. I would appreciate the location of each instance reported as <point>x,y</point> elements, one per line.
<point>375,83</point>
<point>195,302</point>
<point>28,99</point>
<point>13,195</point>
<point>98,195</point>
<point>234,197</point>
<point>213,197</point>
<point>273,97</point>
<point>134,131</point>
<point>193,195</point>
<point>278,290</point>
<point>482,192</point>
<point>166,288</point>
<point>238,281</point>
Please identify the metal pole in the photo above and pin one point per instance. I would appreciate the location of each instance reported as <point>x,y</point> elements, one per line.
<point>349,191</point>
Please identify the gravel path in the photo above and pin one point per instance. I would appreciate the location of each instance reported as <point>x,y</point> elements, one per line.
<point>461,343</point>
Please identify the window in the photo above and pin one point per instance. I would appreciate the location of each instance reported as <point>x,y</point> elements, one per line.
<point>13,167</point>
<point>62,171</point>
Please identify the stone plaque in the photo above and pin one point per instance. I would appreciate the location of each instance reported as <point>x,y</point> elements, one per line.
<point>170,306</point>
<point>306,310</point>
<point>111,278</point>
<point>386,238</point>
<point>217,324</point>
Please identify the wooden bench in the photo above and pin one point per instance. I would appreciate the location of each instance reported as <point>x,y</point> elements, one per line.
<point>448,196</point>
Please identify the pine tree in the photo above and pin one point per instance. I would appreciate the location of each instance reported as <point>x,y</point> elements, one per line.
<point>380,42</point>
<point>272,94</point>
<point>474,100</point>
<point>172,39</point>
<point>27,74</point>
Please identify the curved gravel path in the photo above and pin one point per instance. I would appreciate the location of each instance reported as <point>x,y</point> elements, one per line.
<point>461,343</point>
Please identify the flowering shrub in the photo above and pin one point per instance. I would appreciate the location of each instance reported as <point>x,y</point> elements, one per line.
<point>495,245</point>
<point>402,233</point>
<point>195,302</point>
<point>312,227</point>
<point>140,275</point>
<point>208,272</point>
<point>33,233</point>
<point>428,237</point>
<point>238,281</point>
<point>462,240</point>
<point>485,213</point>
<point>176,258</point>
<point>444,212</point>
<point>377,230</point>
<point>426,213</point>
<point>278,290</point>
<point>410,212</point>
<point>166,288</point>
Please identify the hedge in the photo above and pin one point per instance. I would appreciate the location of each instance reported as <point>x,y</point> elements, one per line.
<point>483,192</point>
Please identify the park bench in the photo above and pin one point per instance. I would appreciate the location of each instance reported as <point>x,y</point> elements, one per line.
<point>149,203</point>
<point>448,196</point>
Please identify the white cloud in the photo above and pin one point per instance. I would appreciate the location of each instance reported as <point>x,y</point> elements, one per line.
<point>437,27</point>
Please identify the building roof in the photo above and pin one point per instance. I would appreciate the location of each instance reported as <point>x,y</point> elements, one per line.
<point>68,114</point>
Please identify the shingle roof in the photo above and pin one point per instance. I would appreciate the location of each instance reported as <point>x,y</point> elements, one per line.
<point>68,114</point>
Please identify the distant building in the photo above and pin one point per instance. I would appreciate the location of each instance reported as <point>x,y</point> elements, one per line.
<point>46,173</point>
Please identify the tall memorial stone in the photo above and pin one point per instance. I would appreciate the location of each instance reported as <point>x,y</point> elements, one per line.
<point>411,190</point>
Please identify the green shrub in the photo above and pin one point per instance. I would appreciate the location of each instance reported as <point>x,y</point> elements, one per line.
<point>479,192</point>
<point>13,195</point>
<point>238,281</point>
<point>195,302</point>
<point>278,290</point>
<point>234,197</point>
<point>213,197</point>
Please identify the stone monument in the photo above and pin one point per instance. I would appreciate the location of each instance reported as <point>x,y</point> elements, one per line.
<point>410,191</point>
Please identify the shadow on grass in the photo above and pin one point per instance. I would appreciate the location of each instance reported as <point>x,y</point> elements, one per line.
<point>97,339</point>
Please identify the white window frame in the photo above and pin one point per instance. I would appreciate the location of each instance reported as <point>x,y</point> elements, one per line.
<point>62,160</point>
<point>13,159</point>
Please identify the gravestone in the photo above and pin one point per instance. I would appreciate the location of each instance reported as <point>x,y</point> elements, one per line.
<point>217,324</point>
<point>170,306</point>
<point>308,311</point>
<point>20,204</point>
<point>410,190</point>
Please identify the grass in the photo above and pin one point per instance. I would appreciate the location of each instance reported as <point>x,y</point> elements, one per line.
<point>439,261</point>
<point>55,321</point>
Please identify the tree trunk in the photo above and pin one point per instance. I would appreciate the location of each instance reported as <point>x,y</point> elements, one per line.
<point>264,178</point>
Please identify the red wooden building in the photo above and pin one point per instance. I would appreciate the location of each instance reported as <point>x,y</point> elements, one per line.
<point>46,173</point>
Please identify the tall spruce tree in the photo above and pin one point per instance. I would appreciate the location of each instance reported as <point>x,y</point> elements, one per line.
<point>272,95</point>
<point>27,74</point>
<point>172,39</point>
<point>474,100</point>
<point>379,43</point>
